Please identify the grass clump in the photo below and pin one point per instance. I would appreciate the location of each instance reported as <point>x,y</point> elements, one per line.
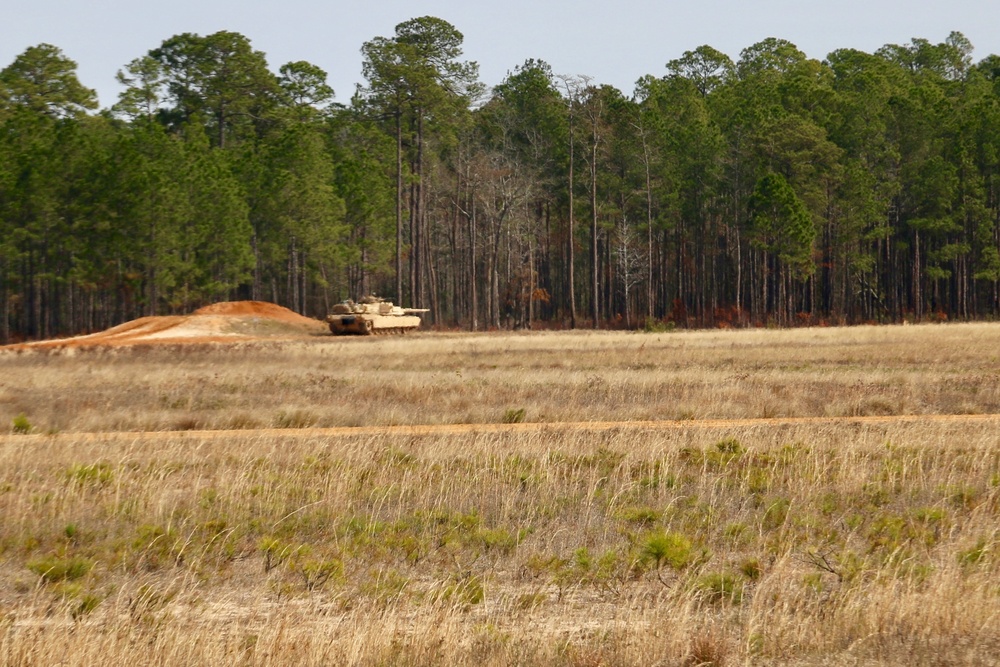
<point>55,569</point>
<point>752,569</point>
<point>721,587</point>
<point>464,590</point>
<point>976,554</point>
<point>295,418</point>
<point>644,516</point>
<point>21,425</point>
<point>514,416</point>
<point>96,474</point>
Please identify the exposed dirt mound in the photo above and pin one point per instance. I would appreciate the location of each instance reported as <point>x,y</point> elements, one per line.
<point>254,308</point>
<point>228,321</point>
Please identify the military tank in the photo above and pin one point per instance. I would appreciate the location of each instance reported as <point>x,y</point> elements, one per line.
<point>372,315</point>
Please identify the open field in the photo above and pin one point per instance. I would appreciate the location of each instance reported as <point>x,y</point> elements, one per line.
<point>817,497</point>
<point>552,376</point>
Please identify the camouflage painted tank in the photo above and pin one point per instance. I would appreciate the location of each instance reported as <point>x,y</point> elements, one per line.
<point>372,315</point>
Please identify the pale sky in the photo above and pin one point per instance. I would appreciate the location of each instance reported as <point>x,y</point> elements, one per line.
<point>613,41</point>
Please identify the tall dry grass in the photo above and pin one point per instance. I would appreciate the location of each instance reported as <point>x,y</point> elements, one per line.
<point>825,543</point>
<point>552,376</point>
<point>831,544</point>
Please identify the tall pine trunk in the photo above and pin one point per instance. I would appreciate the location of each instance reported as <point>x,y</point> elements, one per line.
<point>399,206</point>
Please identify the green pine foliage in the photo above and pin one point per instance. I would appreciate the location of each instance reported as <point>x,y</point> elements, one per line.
<point>776,188</point>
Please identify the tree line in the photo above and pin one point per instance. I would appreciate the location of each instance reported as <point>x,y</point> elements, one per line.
<point>776,189</point>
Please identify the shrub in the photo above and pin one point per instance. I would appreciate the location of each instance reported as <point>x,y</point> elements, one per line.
<point>667,549</point>
<point>652,325</point>
<point>275,552</point>
<point>316,572</point>
<point>497,539</point>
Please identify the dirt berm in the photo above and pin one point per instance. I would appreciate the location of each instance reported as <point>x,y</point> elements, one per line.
<point>228,321</point>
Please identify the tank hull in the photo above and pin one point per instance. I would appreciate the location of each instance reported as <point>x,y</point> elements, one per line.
<point>371,316</point>
<point>363,324</point>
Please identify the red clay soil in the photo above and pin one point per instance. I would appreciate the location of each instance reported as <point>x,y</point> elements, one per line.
<point>228,321</point>
<point>254,309</point>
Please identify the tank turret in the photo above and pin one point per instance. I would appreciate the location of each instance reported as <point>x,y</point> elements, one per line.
<point>372,315</point>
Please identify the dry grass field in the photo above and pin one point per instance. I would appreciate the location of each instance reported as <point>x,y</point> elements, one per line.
<point>574,498</point>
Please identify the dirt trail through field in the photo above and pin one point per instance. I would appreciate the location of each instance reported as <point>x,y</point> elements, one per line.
<point>534,427</point>
<point>229,321</point>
